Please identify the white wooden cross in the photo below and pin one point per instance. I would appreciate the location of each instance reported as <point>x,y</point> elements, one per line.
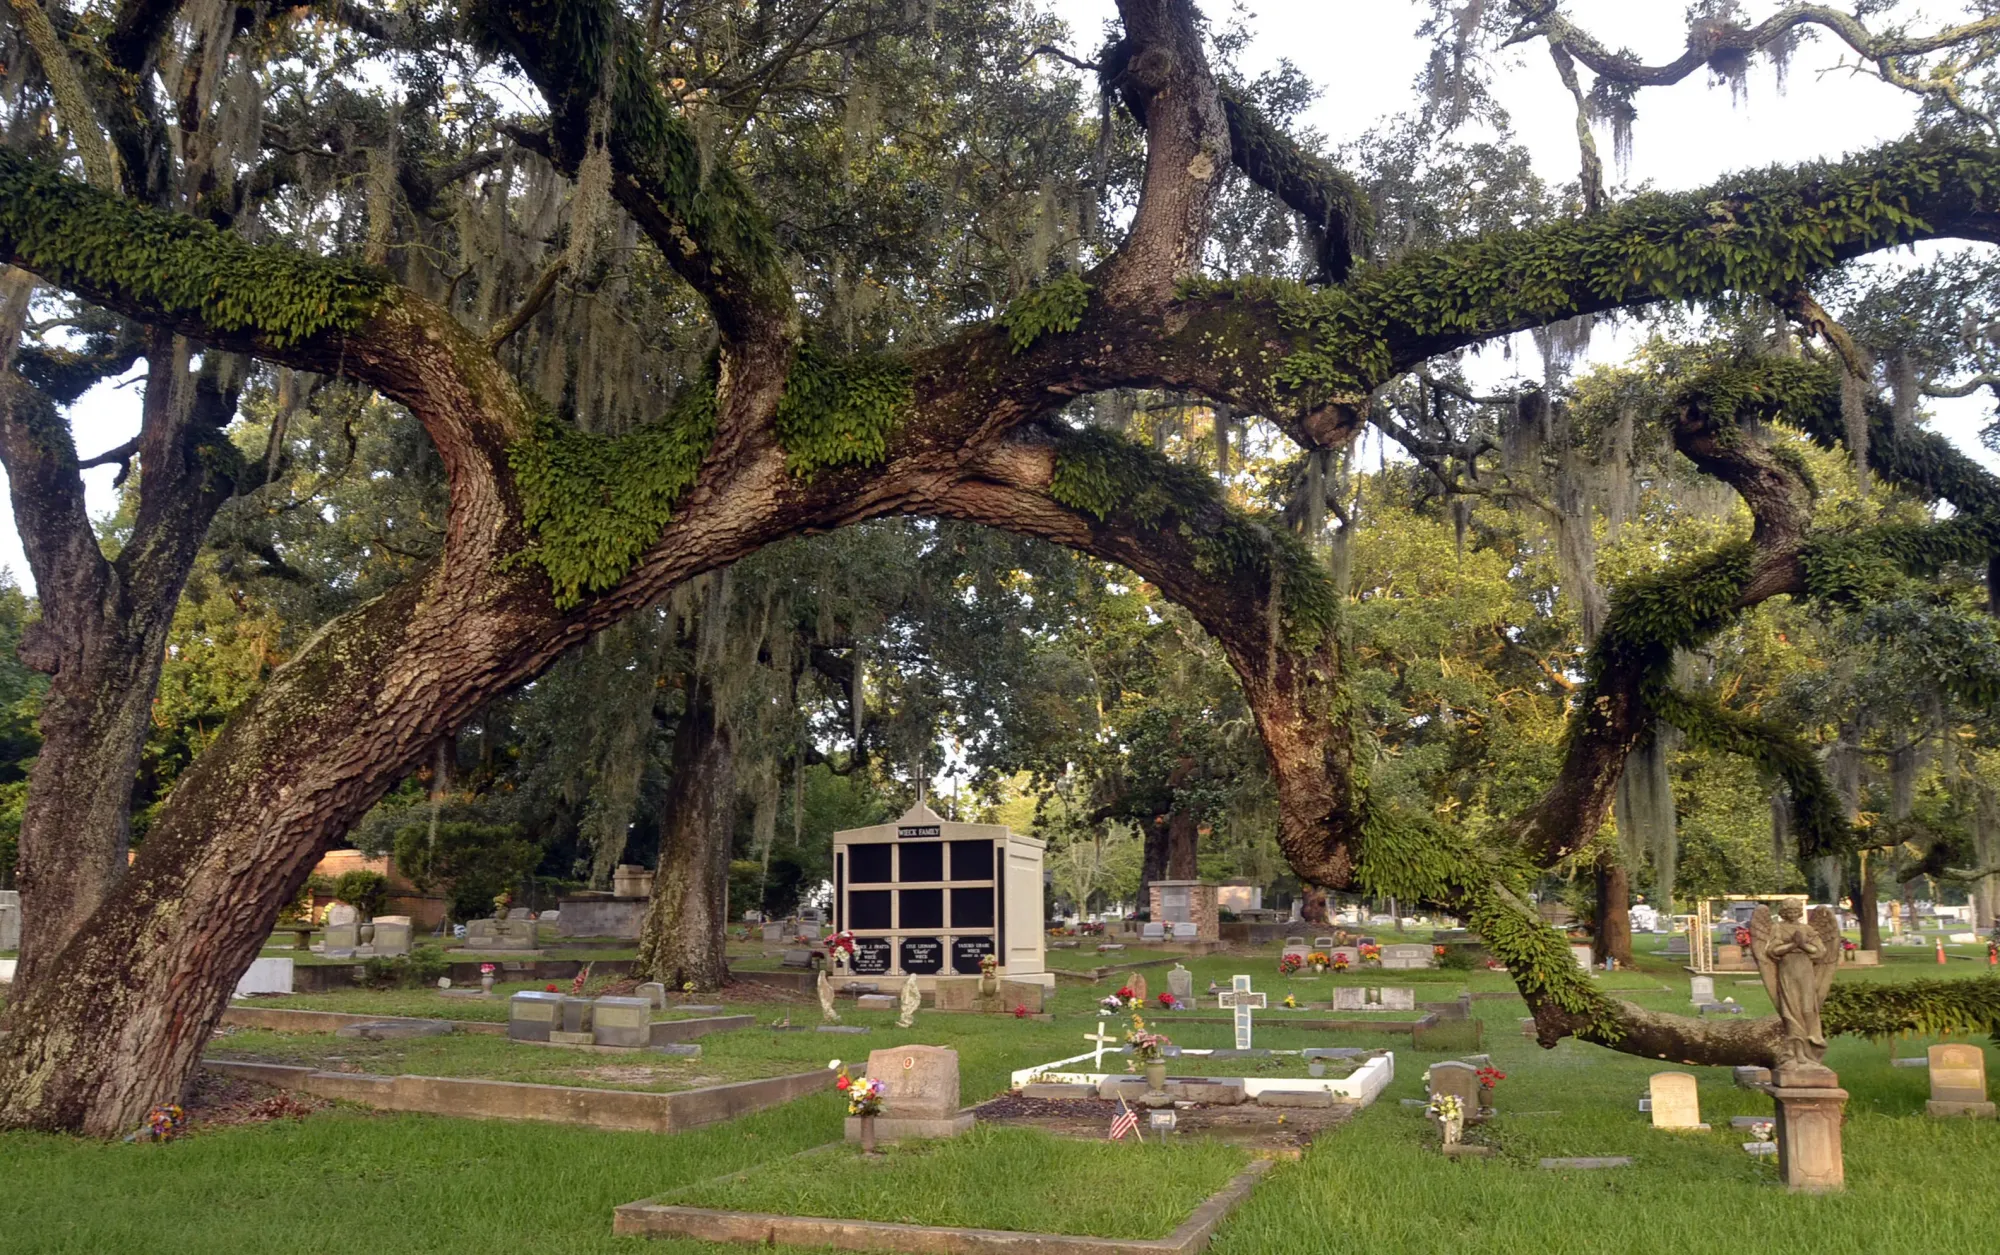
<point>1240,997</point>
<point>1102,1040</point>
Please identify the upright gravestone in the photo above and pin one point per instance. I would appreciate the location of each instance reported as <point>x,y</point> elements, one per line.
<point>654,992</point>
<point>1137,984</point>
<point>1350,998</point>
<point>10,919</point>
<point>1702,990</point>
<point>532,1014</point>
<point>1398,999</point>
<point>1676,1101</point>
<point>919,1094</point>
<point>1958,1082</point>
<point>341,913</point>
<point>342,940</point>
<point>1180,983</point>
<point>1351,953</point>
<point>1460,1080</point>
<point>392,936</point>
<point>1406,957</point>
<point>623,1022</point>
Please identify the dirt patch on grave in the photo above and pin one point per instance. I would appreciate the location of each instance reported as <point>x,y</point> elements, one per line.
<point>218,1101</point>
<point>1262,1129</point>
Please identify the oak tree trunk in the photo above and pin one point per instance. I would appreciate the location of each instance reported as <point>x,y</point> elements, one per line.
<point>1613,939</point>
<point>1865,906</point>
<point>685,935</point>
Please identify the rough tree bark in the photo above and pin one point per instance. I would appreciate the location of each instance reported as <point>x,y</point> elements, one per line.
<point>685,935</point>
<point>1613,938</point>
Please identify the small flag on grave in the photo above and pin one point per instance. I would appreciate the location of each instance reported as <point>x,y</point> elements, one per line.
<point>1126,1121</point>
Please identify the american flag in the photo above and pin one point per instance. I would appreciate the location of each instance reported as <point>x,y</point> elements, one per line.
<point>1126,1121</point>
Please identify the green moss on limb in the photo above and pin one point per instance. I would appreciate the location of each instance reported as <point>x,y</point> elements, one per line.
<point>840,411</point>
<point>1054,307</point>
<point>593,505</point>
<point>703,217</point>
<point>1101,474</point>
<point>1755,233</point>
<point>172,269</point>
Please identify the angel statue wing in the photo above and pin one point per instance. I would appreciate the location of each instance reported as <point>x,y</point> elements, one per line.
<point>1827,961</point>
<point>1761,928</point>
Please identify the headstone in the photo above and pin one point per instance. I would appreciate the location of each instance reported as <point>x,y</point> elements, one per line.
<point>532,1013</point>
<point>341,940</point>
<point>1867,958</point>
<point>1023,995</point>
<point>876,1002</point>
<point>621,1022</point>
<point>551,918</point>
<point>654,992</point>
<point>774,932</point>
<point>1324,943</point>
<point>391,939</point>
<point>1394,999</point>
<point>1350,998</point>
<point>1296,950</point>
<point>576,1015</point>
<point>499,934</point>
<point>1243,1001</point>
<point>1406,957</point>
<point>1588,1163</point>
<point>1582,956</point>
<point>630,880</point>
<point>1186,930</point>
<point>266,976</point>
<point>1458,1079</point>
<point>341,913</point>
<point>10,919</point>
<point>1730,958</point>
<point>1153,932</point>
<point>1300,942</point>
<point>1180,983</point>
<point>956,993</point>
<point>520,912</point>
<point>1137,984</point>
<point>1353,954</point>
<point>1703,989</point>
<point>920,1092</point>
<point>1958,1081</point>
<point>1676,1101</point>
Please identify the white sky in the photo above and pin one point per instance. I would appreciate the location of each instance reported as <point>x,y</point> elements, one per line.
<point>1364,56</point>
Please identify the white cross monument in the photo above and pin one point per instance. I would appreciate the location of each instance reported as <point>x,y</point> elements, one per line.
<point>1102,1040</point>
<point>1240,997</point>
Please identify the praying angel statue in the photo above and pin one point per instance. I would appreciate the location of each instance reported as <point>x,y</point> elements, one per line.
<point>826,999</point>
<point>1797,961</point>
<point>912,999</point>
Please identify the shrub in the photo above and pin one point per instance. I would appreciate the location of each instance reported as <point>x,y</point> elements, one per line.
<point>365,891</point>
<point>1459,958</point>
<point>415,970</point>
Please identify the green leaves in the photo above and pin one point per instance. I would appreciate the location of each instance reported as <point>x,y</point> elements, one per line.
<point>840,411</point>
<point>595,504</point>
<point>1055,306</point>
<point>172,267</point>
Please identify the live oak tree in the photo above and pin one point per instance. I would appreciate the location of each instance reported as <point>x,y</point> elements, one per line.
<point>554,532</point>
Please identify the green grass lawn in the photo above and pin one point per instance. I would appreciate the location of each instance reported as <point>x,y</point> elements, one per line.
<point>993,1178</point>
<point>357,1180</point>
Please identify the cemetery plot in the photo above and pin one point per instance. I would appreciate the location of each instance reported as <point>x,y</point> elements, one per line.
<point>1020,1180</point>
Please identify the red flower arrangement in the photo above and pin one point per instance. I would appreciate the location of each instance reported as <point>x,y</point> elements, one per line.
<point>1020,1010</point>
<point>550,988</point>
<point>1742,935</point>
<point>1489,1077</point>
<point>840,943</point>
<point>1167,1001</point>
<point>1125,993</point>
<point>1438,951</point>
<point>1290,963</point>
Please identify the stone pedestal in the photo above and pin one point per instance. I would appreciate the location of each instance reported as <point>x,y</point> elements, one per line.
<point>1809,1114</point>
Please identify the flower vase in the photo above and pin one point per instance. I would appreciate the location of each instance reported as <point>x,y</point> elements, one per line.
<point>989,984</point>
<point>486,983</point>
<point>1156,1077</point>
<point>867,1134</point>
<point>1453,1128</point>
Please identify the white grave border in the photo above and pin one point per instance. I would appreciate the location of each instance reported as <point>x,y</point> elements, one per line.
<point>1361,1086</point>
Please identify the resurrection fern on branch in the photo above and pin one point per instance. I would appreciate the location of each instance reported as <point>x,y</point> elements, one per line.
<point>1102,474</point>
<point>78,237</point>
<point>1055,306</point>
